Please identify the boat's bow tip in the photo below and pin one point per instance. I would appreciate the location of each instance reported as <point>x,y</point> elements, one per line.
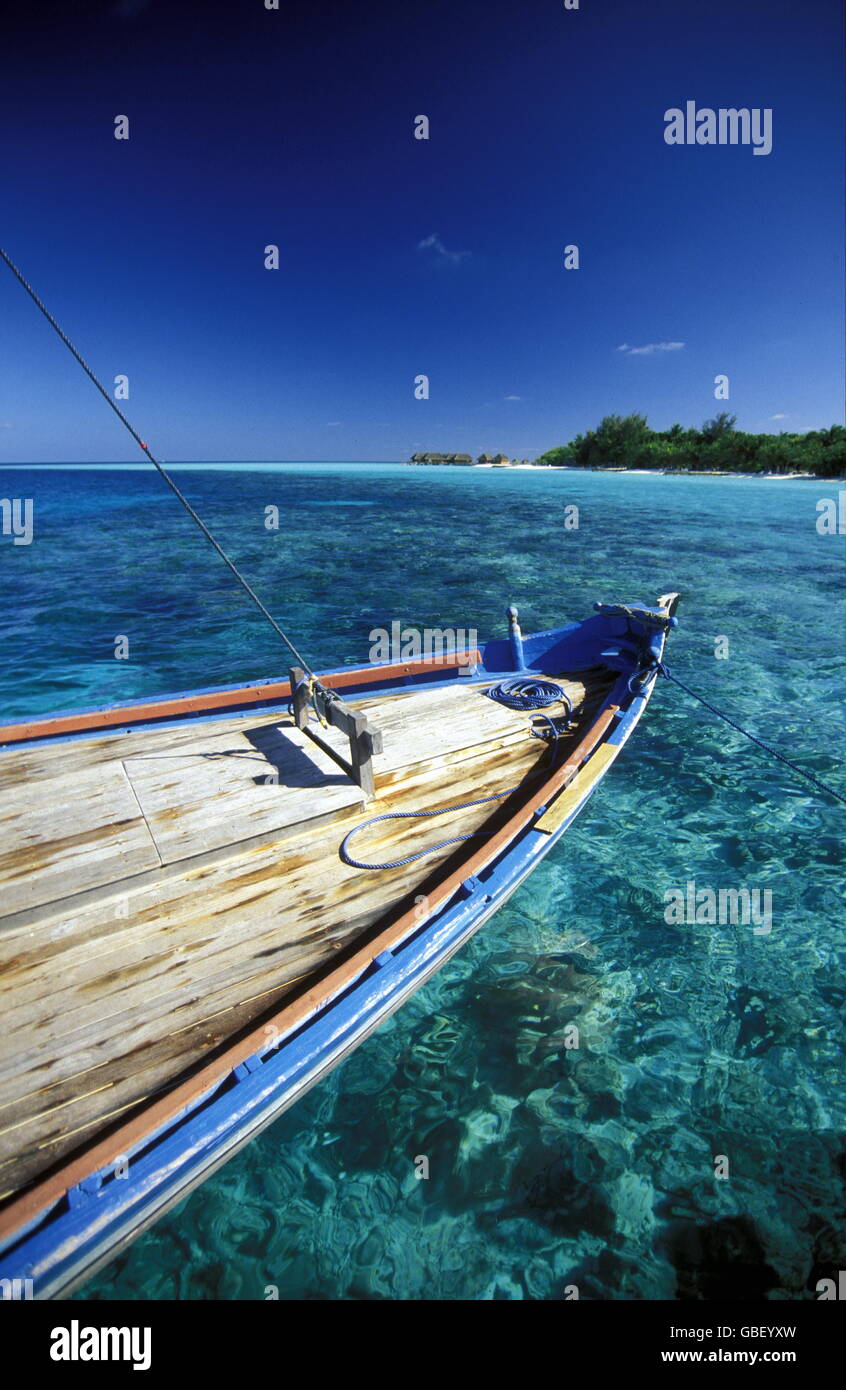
<point>669,603</point>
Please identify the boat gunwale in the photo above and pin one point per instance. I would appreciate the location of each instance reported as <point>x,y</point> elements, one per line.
<point>34,1211</point>
<point>184,1098</point>
<point>188,704</point>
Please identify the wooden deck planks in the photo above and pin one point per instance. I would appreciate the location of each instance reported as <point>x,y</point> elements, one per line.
<point>171,950</point>
<point>74,832</point>
<point>42,761</point>
<point>68,1112</point>
<point>222,789</point>
<point>93,993</point>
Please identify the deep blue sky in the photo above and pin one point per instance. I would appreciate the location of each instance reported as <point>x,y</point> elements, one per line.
<point>250,127</point>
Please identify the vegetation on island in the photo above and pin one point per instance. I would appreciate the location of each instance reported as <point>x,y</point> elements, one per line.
<point>628,442</point>
<point>465,459</point>
<point>441,458</point>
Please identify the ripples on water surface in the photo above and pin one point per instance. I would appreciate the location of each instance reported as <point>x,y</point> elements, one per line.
<point>548,1167</point>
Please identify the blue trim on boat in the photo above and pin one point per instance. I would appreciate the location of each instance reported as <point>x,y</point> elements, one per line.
<point>542,650</point>
<point>113,1209</point>
<point>64,1246</point>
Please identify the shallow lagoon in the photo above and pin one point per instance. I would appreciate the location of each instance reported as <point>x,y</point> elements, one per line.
<point>548,1167</point>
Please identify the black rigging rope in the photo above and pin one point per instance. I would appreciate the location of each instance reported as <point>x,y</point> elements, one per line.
<point>171,484</point>
<point>661,667</point>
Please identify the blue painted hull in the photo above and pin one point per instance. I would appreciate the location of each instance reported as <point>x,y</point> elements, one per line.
<point>64,1245</point>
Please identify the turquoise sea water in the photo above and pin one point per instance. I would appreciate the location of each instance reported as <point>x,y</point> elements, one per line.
<point>548,1167</point>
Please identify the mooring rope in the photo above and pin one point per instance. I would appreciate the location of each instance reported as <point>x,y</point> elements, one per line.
<point>514,694</point>
<point>552,736</point>
<point>415,815</point>
<point>528,693</point>
<point>171,484</point>
<point>809,777</point>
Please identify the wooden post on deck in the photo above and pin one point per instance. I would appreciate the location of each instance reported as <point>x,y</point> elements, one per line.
<point>299,695</point>
<point>364,741</point>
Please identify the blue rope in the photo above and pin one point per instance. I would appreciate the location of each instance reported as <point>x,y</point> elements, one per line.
<point>462,806</point>
<point>815,781</point>
<point>537,693</point>
<point>528,693</point>
<point>413,815</point>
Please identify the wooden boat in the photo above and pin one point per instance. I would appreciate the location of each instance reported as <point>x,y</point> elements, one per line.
<point>185,945</point>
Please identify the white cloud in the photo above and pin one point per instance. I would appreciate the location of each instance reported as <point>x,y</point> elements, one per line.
<point>649,348</point>
<point>780,417</point>
<point>512,398</point>
<point>330,423</point>
<point>440,254</point>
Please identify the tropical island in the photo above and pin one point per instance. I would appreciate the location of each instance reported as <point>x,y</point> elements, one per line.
<point>628,442</point>
<point>467,460</point>
<point>625,442</point>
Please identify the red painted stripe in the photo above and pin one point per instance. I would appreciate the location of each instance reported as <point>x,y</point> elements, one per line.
<point>94,720</point>
<point>21,1210</point>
